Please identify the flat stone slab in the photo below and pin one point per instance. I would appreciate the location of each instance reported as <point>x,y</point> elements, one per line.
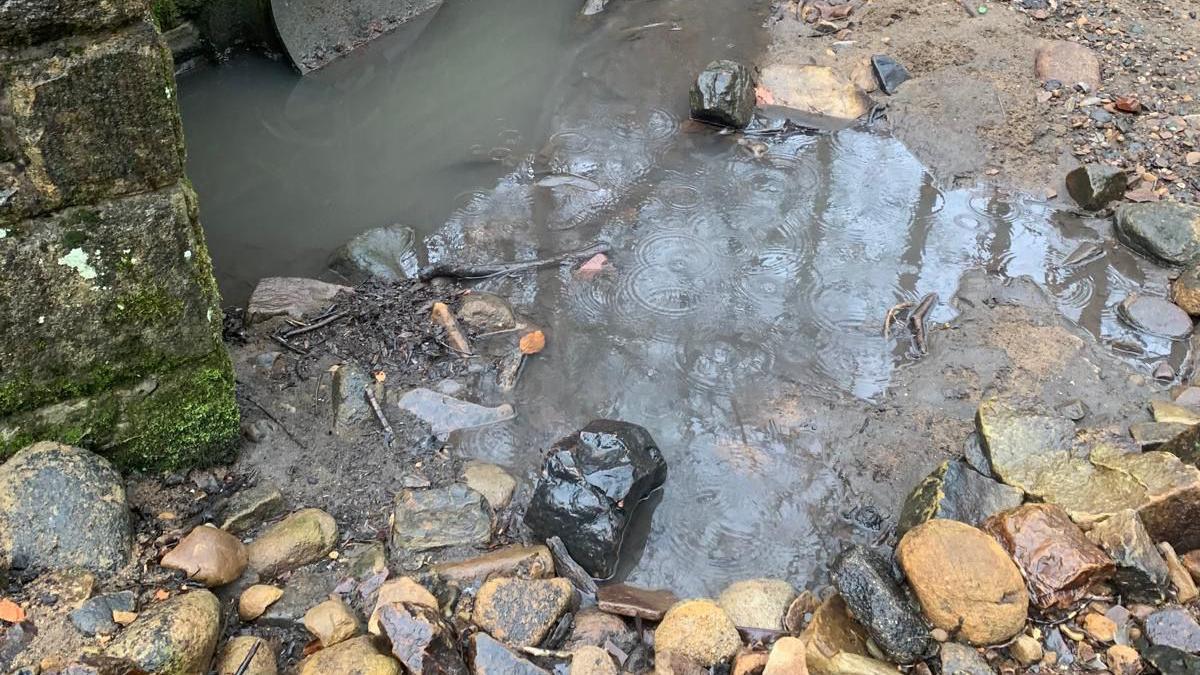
<point>316,32</point>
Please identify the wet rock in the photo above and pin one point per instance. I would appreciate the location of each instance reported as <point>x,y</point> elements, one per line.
<point>251,507</point>
<point>348,397</point>
<point>1170,660</point>
<point>1152,435</point>
<point>1168,232</point>
<point>960,659</point>
<point>1093,186</point>
<point>831,633</point>
<point>291,297</point>
<point>865,581</point>
<point>1185,291</point>
<point>383,253</point>
<point>634,601</point>
<point>1174,627</point>
<point>209,556</point>
<point>175,637</point>
<point>698,630</point>
<point>493,658</point>
<point>521,612</point>
<point>1181,580</point>
<point>757,603</point>
<point>1021,444</point>
<point>816,90</point>
<point>590,484</point>
<point>402,590</point>
<point>421,640</point>
<point>592,661</point>
<point>454,515</point>
<point>357,656</point>
<point>1141,573</point>
<point>955,491</point>
<point>235,651</point>
<point>446,414</point>
<point>95,616</point>
<point>724,94</point>
<point>1058,561</point>
<point>1068,62</point>
<point>1026,650</point>
<point>787,657</point>
<point>486,312</point>
<point>1123,660</point>
<point>531,562</point>
<point>964,581</point>
<point>331,622</point>
<point>489,480</point>
<point>303,537</point>
<point>256,599</point>
<point>1156,316</point>
<point>303,590</point>
<point>595,628</point>
<point>62,507</point>
<point>889,72</point>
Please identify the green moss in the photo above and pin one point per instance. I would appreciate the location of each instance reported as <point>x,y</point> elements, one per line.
<point>151,306</point>
<point>74,239</point>
<point>166,14</point>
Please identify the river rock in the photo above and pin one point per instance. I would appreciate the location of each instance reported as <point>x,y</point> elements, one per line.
<point>446,414</point>
<point>831,633</point>
<point>1169,412</point>
<point>530,562</point>
<point>724,94</point>
<point>209,556</point>
<point>865,581</point>
<point>400,590</point>
<point>590,484</point>
<point>304,589</point>
<point>846,663</point>
<point>1141,574</point>
<point>1152,435</point>
<point>331,622</point>
<point>1093,186</point>
<point>1021,444</point>
<point>958,659</point>
<point>62,507</point>
<point>454,515</point>
<point>357,656</point>
<point>1191,562</point>
<point>749,662</point>
<point>235,652</point>
<point>1058,561</point>
<point>757,603</point>
<point>1156,316</point>
<point>486,312</point>
<point>1168,232</point>
<point>964,581</point>
<point>1026,650</point>
<point>384,253</point>
<point>95,615</point>
<point>175,637</point>
<point>1185,446</point>
<point>291,297</point>
<point>493,658</point>
<point>592,661</point>
<point>698,630</point>
<point>1123,660</point>
<point>787,657</point>
<point>348,397</point>
<point>521,612</point>
<point>955,491</point>
<point>1185,290</point>
<point>1170,660</point>
<point>251,507</point>
<point>634,601</point>
<point>489,480</point>
<point>594,628</point>
<point>1174,627</point>
<point>256,599</point>
<point>1068,62</point>
<point>1181,579</point>
<point>1098,627</point>
<point>816,90</point>
<point>421,640</point>
<point>305,536</point>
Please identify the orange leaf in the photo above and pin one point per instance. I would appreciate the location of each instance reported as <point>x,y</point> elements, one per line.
<point>11,611</point>
<point>161,594</point>
<point>532,343</point>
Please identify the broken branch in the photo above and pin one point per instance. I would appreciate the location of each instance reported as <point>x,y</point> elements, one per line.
<point>445,318</point>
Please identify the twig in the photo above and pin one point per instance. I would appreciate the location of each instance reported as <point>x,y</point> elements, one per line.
<point>388,434</point>
<point>276,421</point>
<point>966,4</point>
<point>916,321</point>
<point>289,346</point>
<point>315,325</point>
<point>567,567</point>
<point>458,340</point>
<point>891,316</point>
<point>497,332</point>
<point>547,653</point>
<point>246,661</point>
<point>501,269</point>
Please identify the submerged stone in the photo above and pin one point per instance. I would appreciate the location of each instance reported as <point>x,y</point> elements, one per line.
<point>890,72</point>
<point>384,253</point>
<point>434,518</point>
<point>955,491</point>
<point>1093,186</point>
<point>757,603</point>
<point>1168,232</point>
<point>865,581</point>
<point>590,484</point>
<point>446,414</point>
<point>1156,316</point>
<point>724,94</point>
<point>1141,574</point>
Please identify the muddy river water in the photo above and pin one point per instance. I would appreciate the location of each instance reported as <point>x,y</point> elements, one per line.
<point>746,270</point>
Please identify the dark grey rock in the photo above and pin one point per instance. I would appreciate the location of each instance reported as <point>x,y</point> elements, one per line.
<point>302,592</point>
<point>350,406</point>
<point>724,94</point>
<point>1174,627</point>
<point>421,640</point>
<point>384,253</point>
<point>1171,661</point>
<point>493,658</point>
<point>1168,232</point>
<point>292,297</point>
<point>316,32</point>
<point>1093,186</point>
<point>975,456</point>
<point>956,491</point>
<point>249,508</point>
<point>590,484</point>
<point>1073,410</point>
<point>959,659</point>
<point>1156,316</point>
<point>62,507</point>
<point>95,615</point>
<point>30,21</point>
<point>890,73</point>
<point>1141,571</point>
<point>865,581</point>
<point>434,518</point>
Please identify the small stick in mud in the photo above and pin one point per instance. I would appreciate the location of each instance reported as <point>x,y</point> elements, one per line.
<point>444,318</point>
<point>246,661</point>
<point>289,346</point>
<point>916,321</point>
<point>274,419</point>
<point>388,434</point>
<point>501,269</point>
<point>315,325</point>
<point>890,317</point>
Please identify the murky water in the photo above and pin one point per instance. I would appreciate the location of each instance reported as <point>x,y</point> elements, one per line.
<point>750,275</point>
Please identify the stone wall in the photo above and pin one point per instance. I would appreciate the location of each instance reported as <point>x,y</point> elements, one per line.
<point>110,326</point>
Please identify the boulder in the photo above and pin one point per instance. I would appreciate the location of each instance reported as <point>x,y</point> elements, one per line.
<point>590,484</point>
<point>865,582</point>
<point>175,637</point>
<point>446,414</point>
<point>592,661</point>
<point>62,507</point>
<point>958,659</point>
<point>421,640</point>
<point>1059,563</point>
<point>1156,316</point>
<point>209,556</point>
<point>291,297</point>
<point>1174,627</point>
<point>331,622</point>
<point>489,480</point>
<point>1168,232</point>
<point>235,651</point>
<point>964,581</point>
<point>1185,290</point>
<point>698,630</point>
<point>724,94</point>
<point>955,491</point>
<point>384,253</point>
<point>830,634</point>
<point>1141,573</point>
<point>1093,186</point>
<point>256,599</point>
<point>357,656</point>
<point>303,537</point>
<point>633,601</point>
<point>95,615</point>
<point>249,508</point>
<point>757,603</point>
<point>817,90</point>
<point>788,657</point>
<point>493,658</point>
<point>530,562</point>
<point>402,590</point>
<point>522,612</point>
<point>1068,62</point>
<point>486,312</point>
<point>433,518</point>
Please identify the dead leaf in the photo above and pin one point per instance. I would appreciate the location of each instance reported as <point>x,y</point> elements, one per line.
<point>381,376</point>
<point>161,594</point>
<point>11,611</point>
<point>533,342</point>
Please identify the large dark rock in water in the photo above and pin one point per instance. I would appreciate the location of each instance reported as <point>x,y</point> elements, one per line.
<point>1155,316</point>
<point>384,253</point>
<point>955,491</point>
<point>724,94</point>
<point>590,484</point>
<point>1168,232</point>
<point>865,581</point>
<point>1093,186</point>
<point>62,507</point>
